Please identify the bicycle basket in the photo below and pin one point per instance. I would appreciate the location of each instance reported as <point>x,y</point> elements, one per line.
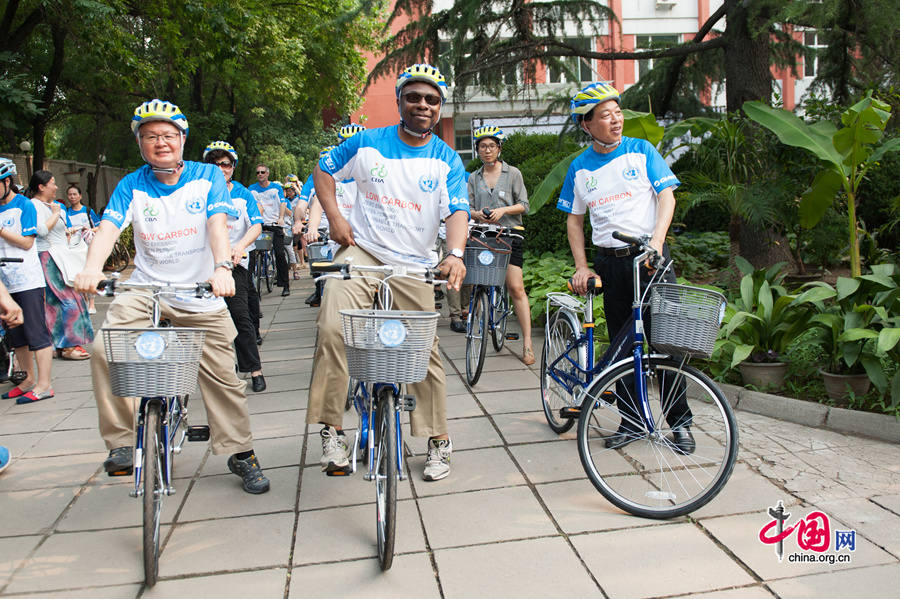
<point>318,252</point>
<point>388,346</point>
<point>153,362</point>
<point>684,319</point>
<point>264,241</point>
<point>486,260</point>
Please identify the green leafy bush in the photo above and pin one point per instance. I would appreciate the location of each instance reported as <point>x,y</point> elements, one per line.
<point>696,254</point>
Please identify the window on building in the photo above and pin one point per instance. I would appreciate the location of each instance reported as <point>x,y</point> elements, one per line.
<point>647,42</point>
<point>580,66</point>
<point>812,39</point>
<point>463,143</point>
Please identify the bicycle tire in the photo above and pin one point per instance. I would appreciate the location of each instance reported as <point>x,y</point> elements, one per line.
<point>476,336</point>
<point>270,270</point>
<point>386,477</point>
<point>499,305</point>
<point>152,472</point>
<point>649,476</point>
<point>563,330</point>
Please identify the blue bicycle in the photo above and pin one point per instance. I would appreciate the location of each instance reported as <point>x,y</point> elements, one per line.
<point>656,436</point>
<point>158,364</point>
<point>385,349</point>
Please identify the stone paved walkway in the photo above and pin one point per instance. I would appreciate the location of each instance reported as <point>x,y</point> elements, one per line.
<point>517,517</point>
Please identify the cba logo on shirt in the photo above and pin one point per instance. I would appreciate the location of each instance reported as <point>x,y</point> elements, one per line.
<point>378,172</point>
<point>151,211</point>
<point>427,184</point>
<point>193,206</point>
<point>630,174</point>
<point>590,184</point>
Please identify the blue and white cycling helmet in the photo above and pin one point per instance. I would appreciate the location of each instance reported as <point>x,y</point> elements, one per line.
<point>225,147</point>
<point>159,110</point>
<point>7,168</point>
<point>585,100</point>
<point>422,72</point>
<point>486,132</point>
<point>349,130</point>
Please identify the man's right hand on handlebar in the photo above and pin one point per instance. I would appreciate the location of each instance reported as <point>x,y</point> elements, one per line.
<point>580,280</point>
<point>87,280</point>
<point>311,236</point>
<point>340,231</point>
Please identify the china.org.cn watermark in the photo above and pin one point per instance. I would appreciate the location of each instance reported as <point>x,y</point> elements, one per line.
<point>815,539</point>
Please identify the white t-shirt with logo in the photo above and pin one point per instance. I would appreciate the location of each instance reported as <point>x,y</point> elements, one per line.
<point>403,193</point>
<point>19,216</point>
<point>271,197</point>
<point>248,215</point>
<point>619,189</point>
<point>170,236</point>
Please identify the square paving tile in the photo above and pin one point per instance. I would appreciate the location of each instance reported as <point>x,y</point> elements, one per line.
<point>509,570</point>
<point>32,512</point>
<point>472,470</point>
<point>741,494</point>
<point>110,506</point>
<point>483,517</point>
<point>272,452</point>
<point>510,379</point>
<point>278,424</point>
<point>280,401</point>
<point>228,544</point>
<point>578,507</point>
<point>349,533</point>
<point>547,462</point>
<point>126,591</point>
<point>262,583</point>
<point>12,551</point>
<point>502,402</point>
<point>678,551</point>
<point>82,418</point>
<point>15,422</point>
<point>68,442</point>
<point>527,427</point>
<point>867,518</point>
<point>466,433</point>
<point>877,581</point>
<point>410,577</point>
<point>222,496</point>
<point>463,406</point>
<point>318,490</point>
<point>59,471</point>
<point>751,592</point>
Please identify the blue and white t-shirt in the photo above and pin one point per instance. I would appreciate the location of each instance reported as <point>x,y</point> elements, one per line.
<point>344,193</point>
<point>619,189</point>
<point>170,236</point>
<point>83,217</point>
<point>248,215</point>
<point>403,193</point>
<point>271,197</point>
<point>19,216</point>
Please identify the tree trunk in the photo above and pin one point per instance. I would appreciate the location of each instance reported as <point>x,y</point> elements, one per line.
<point>747,58</point>
<point>764,247</point>
<point>39,123</point>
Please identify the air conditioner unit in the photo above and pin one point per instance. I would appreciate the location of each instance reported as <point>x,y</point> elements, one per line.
<point>667,4</point>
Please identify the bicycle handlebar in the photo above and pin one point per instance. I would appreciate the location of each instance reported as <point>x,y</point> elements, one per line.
<point>630,240</point>
<point>6,260</point>
<point>200,288</point>
<point>428,274</point>
<point>494,228</point>
<point>593,284</point>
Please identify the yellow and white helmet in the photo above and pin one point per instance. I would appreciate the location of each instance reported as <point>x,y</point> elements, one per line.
<point>158,110</point>
<point>488,131</point>
<point>290,179</point>
<point>586,99</point>
<point>325,151</point>
<point>349,130</point>
<point>224,146</point>
<point>422,72</point>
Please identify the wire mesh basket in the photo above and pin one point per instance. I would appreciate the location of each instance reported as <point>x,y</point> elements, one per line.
<point>486,261</point>
<point>684,319</point>
<point>388,346</point>
<point>319,252</point>
<point>158,362</point>
<point>264,241</point>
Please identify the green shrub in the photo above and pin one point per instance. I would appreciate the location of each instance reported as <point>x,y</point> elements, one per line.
<point>696,254</point>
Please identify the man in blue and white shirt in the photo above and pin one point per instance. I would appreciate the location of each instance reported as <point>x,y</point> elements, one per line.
<point>179,210</point>
<point>626,186</point>
<point>407,182</point>
<point>274,207</point>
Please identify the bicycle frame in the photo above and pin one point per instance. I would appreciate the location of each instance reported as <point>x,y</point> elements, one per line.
<point>173,413</point>
<point>364,403</point>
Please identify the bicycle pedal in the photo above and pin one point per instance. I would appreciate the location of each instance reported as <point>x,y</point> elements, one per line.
<point>408,403</point>
<point>570,412</point>
<point>339,472</point>
<point>512,336</point>
<point>198,433</point>
<point>124,472</point>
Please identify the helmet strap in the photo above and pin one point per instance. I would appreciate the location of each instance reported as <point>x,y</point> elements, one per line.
<point>7,188</point>
<point>165,171</point>
<point>605,145</point>
<point>422,135</point>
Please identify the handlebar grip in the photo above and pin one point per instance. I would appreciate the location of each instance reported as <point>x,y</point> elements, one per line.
<point>627,238</point>
<point>105,283</point>
<point>327,267</point>
<point>204,286</point>
<point>591,285</point>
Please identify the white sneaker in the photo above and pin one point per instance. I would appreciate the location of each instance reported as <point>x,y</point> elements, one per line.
<point>437,465</point>
<point>335,451</point>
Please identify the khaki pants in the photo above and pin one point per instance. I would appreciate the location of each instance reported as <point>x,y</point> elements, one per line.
<point>223,392</point>
<point>328,389</point>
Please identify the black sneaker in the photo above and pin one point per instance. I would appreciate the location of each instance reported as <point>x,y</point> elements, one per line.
<point>286,291</point>
<point>314,300</point>
<point>253,479</point>
<point>120,461</point>
<point>457,326</point>
<point>258,339</point>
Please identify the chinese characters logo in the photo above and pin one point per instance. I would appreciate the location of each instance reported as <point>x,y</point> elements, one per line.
<point>813,534</point>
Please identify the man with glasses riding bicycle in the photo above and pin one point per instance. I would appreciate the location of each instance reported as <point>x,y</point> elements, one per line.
<point>407,180</point>
<point>626,186</point>
<point>274,205</point>
<point>179,211</point>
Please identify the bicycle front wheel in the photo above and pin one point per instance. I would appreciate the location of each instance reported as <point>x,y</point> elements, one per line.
<point>562,331</point>
<point>151,470</point>
<point>500,312</point>
<point>650,474</point>
<point>476,336</point>
<point>270,270</point>
<point>386,476</point>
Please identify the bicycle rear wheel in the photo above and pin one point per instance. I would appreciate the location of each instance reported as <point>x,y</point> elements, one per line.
<point>270,269</point>
<point>151,470</point>
<point>386,476</point>
<point>476,336</point>
<point>499,310</point>
<point>561,332</point>
<point>649,475</point>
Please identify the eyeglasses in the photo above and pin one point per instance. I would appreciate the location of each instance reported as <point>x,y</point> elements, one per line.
<point>261,172</point>
<point>415,98</point>
<point>166,137</point>
<point>487,146</point>
<point>224,164</point>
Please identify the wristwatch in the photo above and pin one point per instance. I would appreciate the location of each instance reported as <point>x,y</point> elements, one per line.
<point>456,252</point>
<point>224,263</point>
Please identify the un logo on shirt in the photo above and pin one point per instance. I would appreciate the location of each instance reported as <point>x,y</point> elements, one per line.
<point>8,222</point>
<point>193,206</point>
<point>427,184</point>
<point>630,174</point>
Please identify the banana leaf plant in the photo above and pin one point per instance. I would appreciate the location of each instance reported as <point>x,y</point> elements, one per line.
<point>846,154</point>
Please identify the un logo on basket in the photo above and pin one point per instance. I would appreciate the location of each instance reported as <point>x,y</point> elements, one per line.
<point>392,333</point>
<point>427,184</point>
<point>193,206</point>
<point>486,257</point>
<point>150,345</point>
